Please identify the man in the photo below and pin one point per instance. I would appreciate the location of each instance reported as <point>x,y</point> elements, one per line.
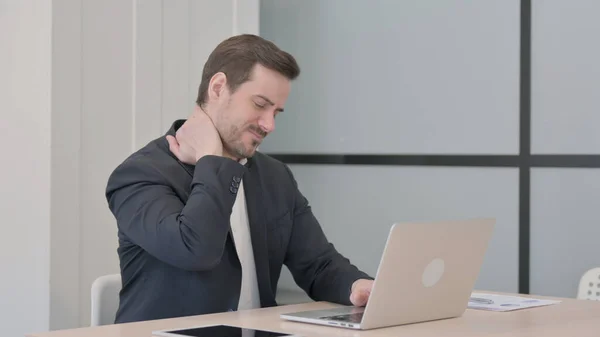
<point>205,221</point>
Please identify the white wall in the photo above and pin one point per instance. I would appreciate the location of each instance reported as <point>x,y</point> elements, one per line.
<point>66,144</point>
<point>25,110</point>
<point>106,130</point>
<point>139,74</point>
<point>122,71</point>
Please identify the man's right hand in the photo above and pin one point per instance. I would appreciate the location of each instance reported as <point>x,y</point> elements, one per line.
<point>196,138</point>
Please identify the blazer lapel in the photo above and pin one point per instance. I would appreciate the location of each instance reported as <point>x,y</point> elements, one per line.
<point>256,220</point>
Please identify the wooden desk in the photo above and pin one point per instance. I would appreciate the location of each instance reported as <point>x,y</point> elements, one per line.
<point>569,318</point>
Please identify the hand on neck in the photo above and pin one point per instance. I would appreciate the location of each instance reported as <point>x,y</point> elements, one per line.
<point>206,109</point>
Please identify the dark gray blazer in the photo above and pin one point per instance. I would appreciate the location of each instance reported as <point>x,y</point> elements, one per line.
<point>176,252</point>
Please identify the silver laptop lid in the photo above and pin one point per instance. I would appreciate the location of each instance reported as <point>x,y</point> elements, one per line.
<point>427,271</point>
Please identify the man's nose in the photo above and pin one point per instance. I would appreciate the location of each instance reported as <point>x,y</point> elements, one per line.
<point>267,123</point>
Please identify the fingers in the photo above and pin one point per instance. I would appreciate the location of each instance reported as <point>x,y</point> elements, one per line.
<point>360,297</point>
<point>174,146</point>
<point>210,119</point>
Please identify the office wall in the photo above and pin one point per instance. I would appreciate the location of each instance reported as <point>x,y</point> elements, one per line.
<point>565,118</point>
<point>106,129</point>
<point>25,109</point>
<point>425,78</point>
<point>139,74</point>
<point>88,83</point>
<point>391,77</point>
<point>356,205</point>
<point>565,228</point>
<point>66,215</point>
<point>565,77</point>
<point>402,77</point>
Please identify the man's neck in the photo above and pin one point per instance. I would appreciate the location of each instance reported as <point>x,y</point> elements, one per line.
<point>206,110</point>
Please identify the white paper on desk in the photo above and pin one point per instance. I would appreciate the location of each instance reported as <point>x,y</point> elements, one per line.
<point>505,303</point>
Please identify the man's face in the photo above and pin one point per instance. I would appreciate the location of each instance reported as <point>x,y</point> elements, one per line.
<point>247,116</point>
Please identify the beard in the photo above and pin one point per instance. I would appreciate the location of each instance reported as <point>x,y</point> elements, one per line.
<point>232,133</point>
<point>234,144</point>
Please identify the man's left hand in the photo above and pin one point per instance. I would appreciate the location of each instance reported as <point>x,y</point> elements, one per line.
<point>361,290</point>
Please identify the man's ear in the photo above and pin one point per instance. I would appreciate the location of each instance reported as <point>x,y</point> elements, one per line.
<point>217,86</point>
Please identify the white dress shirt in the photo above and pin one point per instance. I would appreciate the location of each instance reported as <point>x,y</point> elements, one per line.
<point>249,295</point>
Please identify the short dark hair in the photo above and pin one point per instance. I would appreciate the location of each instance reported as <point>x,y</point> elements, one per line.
<point>237,56</point>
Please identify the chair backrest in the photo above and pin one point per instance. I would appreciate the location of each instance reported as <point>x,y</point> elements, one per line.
<point>105,299</point>
<point>589,285</point>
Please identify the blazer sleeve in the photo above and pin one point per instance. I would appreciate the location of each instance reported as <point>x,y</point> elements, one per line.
<point>317,267</point>
<point>188,235</point>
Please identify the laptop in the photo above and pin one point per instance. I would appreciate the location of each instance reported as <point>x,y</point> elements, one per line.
<point>427,272</point>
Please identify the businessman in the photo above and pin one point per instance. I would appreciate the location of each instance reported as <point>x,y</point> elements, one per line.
<point>205,221</point>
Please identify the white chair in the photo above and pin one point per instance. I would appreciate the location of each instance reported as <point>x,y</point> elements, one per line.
<point>105,299</point>
<point>589,285</point>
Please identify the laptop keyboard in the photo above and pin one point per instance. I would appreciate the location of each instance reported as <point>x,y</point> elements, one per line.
<point>352,318</point>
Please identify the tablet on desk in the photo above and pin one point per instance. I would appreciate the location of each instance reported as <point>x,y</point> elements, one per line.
<point>220,331</point>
